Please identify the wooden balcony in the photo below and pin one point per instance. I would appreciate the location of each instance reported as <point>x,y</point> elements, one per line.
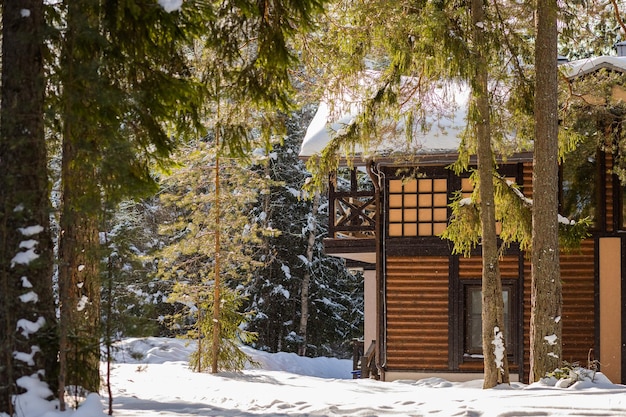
<point>352,216</point>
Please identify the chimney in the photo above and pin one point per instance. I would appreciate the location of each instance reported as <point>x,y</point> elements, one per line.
<point>620,47</point>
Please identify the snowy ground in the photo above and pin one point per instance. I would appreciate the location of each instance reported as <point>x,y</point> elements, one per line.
<point>155,381</point>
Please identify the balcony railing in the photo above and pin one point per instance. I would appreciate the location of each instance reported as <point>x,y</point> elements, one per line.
<point>352,200</point>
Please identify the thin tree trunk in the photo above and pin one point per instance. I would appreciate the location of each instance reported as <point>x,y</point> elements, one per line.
<point>495,358</point>
<point>306,279</point>
<point>546,296</point>
<point>216,295</point>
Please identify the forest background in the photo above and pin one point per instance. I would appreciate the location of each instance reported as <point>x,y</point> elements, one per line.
<point>150,166</point>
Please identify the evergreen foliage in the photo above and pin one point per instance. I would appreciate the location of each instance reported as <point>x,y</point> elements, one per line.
<point>188,256</point>
<point>335,294</point>
<point>514,216</point>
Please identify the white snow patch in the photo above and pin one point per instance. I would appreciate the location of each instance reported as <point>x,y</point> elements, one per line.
<point>551,339</point>
<point>156,381</point>
<point>29,297</point>
<point>29,327</point>
<point>28,244</point>
<point>81,268</point>
<point>171,5</point>
<point>27,358</point>
<point>498,343</point>
<point>31,230</point>
<point>26,283</point>
<point>24,258</point>
<point>82,303</point>
<point>286,271</point>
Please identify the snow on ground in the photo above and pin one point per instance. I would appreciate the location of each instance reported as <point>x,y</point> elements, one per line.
<point>151,378</point>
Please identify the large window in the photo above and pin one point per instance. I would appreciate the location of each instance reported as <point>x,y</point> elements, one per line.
<point>417,207</point>
<point>473,344</point>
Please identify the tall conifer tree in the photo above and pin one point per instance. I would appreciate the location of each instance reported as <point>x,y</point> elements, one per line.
<point>27,316</point>
<point>546,292</point>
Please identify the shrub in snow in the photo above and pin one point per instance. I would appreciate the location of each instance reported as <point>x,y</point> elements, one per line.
<point>568,374</point>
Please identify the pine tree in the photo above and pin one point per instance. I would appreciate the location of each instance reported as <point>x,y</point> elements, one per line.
<point>27,317</point>
<point>546,292</point>
<point>189,257</point>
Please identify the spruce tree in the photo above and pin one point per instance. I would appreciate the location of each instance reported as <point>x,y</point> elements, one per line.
<point>27,317</point>
<point>334,305</point>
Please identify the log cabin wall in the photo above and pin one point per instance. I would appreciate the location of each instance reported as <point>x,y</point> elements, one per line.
<point>417,313</point>
<point>579,283</point>
<point>424,316</point>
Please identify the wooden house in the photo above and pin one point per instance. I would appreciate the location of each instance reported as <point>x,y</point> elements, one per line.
<point>422,303</point>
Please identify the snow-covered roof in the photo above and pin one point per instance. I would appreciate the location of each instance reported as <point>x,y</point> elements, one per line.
<point>582,67</point>
<point>436,127</point>
<point>443,110</point>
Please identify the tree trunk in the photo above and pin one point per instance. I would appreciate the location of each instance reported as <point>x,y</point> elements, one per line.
<point>306,279</point>
<point>495,357</point>
<point>26,258</point>
<point>216,283</point>
<point>79,280</point>
<point>546,297</point>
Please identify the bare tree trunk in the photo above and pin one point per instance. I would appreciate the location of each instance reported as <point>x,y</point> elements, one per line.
<point>26,258</point>
<point>216,295</point>
<point>494,351</point>
<point>546,296</point>
<point>306,279</point>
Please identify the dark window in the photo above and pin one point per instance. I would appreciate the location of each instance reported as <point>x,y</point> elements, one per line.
<point>473,320</point>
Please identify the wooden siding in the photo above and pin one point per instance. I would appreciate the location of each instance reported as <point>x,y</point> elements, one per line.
<point>471,268</point>
<point>577,275</point>
<point>417,313</point>
<point>610,196</point>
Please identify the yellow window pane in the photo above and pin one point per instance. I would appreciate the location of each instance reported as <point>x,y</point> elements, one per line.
<point>425,229</point>
<point>467,185</point>
<point>410,215</point>
<point>440,214</point>
<point>440,185</point>
<point>410,186</point>
<point>395,215</point>
<point>426,186</point>
<point>395,229</point>
<point>440,200</point>
<point>439,228</point>
<point>395,200</point>
<point>425,215</point>
<point>425,200</point>
<point>410,200</point>
<point>410,229</point>
<point>395,186</point>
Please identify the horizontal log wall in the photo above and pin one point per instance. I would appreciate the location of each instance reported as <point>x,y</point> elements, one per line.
<point>417,313</point>
<point>577,275</point>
